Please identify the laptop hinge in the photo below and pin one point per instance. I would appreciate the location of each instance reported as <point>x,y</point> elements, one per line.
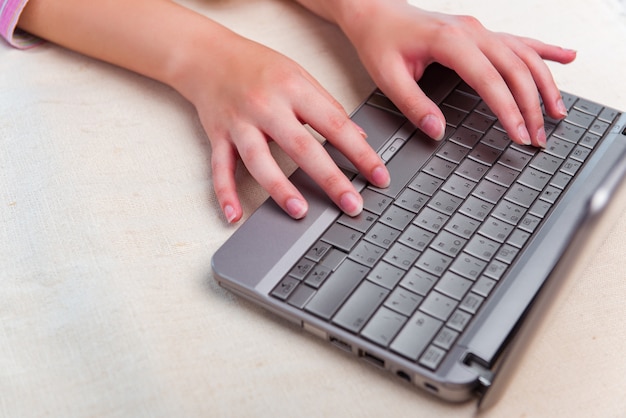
<point>485,375</point>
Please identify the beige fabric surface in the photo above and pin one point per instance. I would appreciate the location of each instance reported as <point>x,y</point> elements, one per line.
<point>108,221</point>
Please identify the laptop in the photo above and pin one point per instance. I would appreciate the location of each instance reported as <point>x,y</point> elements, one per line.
<point>438,279</point>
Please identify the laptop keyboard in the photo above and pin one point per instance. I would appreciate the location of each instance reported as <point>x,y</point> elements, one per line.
<point>412,270</point>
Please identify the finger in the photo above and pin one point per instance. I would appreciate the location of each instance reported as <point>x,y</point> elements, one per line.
<point>223,166</point>
<point>334,124</point>
<point>533,53</point>
<point>472,65</point>
<point>550,52</point>
<point>512,60</point>
<point>311,156</point>
<point>399,84</point>
<point>256,155</point>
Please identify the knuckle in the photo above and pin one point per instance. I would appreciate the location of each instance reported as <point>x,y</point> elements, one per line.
<point>300,144</point>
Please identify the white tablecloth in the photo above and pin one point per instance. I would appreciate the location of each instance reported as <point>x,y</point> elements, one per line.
<point>108,306</point>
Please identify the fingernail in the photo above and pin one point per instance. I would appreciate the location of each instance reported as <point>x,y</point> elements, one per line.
<point>296,208</point>
<point>560,106</point>
<point>433,127</point>
<point>361,130</point>
<point>230,213</point>
<point>351,204</point>
<point>380,176</point>
<point>523,135</point>
<point>541,138</point>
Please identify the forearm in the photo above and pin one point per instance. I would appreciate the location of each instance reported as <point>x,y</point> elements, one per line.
<point>150,37</point>
<point>347,14</point>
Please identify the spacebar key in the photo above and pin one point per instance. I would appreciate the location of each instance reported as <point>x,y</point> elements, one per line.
<point>407,161</point>
<point>336,289</point>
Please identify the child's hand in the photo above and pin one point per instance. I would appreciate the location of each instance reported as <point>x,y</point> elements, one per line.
<point>397,41</point>
<point>247,95</point>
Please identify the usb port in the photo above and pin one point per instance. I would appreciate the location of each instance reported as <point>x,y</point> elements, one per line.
<point>340,344</point>
<point>375,360</point>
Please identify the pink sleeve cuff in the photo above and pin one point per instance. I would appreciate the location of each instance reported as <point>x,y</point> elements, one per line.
<point>10,11</point>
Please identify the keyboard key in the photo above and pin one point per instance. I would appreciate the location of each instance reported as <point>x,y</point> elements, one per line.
<point>569,132</point>
<point>383,326</point>
<point>468,266</point>
<point>342,237</point>
<point>439,167</point>
<point>476,208</point>
<point>300,296</point>
<point>485,154</point>
<point>318,251</point>
<point>496,229</point>
<point>432,357</point>
<point>418,281</point>
<point>462,225</point>
<point>416,335</point>
<point>482,247</point>
<point>471,303</point>
<point>336,289</point>
<point>366,253</point>
<point>559,147</point>
<point>382,235</point>
<point>495,269</point>
<point>522,195</point>
<point>489,191</point>
<point>518,238</point>
<point>416,238</point>
<point>396,217</point>
<point>484,286</point>
<point>458,186</point>
<point>385,275</point>
<point>546,163</point>
<point>360,306</point>
<point>502,175</point>
<point>333,258</point>
<point>496,138</point>
<point>509,212</point>
<point>411,200</point>
<point>465,136</point>
<point>433,262</point>
<point>445,338</point>
<point>453,285</point>
<point>438,305</point>
<point>445,202</point>
<point>459,320</point>
<point>362,222</point>
<point>472,170</point>
<point>515,159</point>
<point>317,276</point>
<point>285,288</point>
<point>426,184</point>
<point>403,301</point>
<point>448,244</point>
<point>301,269</point>
<point>401,256</point>
<point>453,152</point>
<point>431,220</point>
<point>579,118</point>
<point>478,122</point>
<point>375,202</point>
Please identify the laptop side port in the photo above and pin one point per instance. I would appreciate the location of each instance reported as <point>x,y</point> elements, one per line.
<point>340,344</point>
<point>403,375</point>
<point>369,357</point>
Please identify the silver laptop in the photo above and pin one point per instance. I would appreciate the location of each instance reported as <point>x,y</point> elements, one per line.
<point>441,273</point>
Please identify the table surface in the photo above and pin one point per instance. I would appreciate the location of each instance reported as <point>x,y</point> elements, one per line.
<point>108,223</point>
